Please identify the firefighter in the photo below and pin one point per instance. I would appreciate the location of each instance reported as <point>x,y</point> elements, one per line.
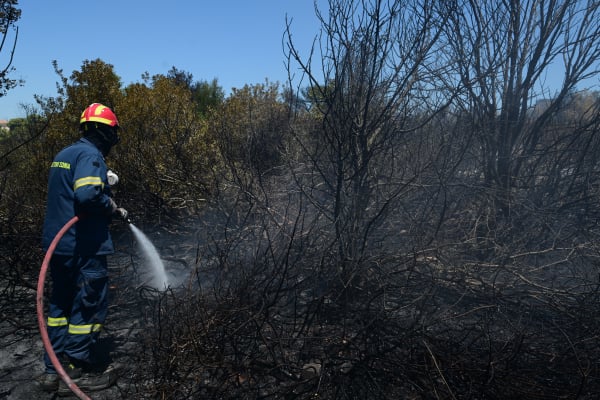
<point>78,185</point>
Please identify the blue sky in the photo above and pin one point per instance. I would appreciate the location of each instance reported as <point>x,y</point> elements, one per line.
<point>237,42</point>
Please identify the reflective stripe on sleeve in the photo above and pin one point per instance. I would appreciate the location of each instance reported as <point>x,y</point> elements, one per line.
<point>88,180</point>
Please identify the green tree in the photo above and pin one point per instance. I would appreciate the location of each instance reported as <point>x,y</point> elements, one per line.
<point>250,128</point>
<point>205,94</point>
<point>164,155</point>
<point>95,82</point>
<point>16,123</point>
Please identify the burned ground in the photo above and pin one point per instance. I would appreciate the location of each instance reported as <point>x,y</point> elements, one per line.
<point>21,345</point>
<point>424,328</point>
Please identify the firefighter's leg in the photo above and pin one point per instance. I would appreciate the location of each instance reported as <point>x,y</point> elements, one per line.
<point>89,310</point>
<point>63,273</point>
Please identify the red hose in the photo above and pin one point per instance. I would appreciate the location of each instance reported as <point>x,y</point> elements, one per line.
<point>40,312</point>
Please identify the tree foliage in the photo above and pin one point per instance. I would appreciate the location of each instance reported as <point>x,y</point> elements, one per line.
<point>166,140</point>
<point>250,128</point>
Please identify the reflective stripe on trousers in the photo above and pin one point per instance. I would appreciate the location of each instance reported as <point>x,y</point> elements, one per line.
<point>78,305</point>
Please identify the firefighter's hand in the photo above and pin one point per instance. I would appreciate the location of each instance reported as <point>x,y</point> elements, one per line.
<point>122,213</point>
<point>118,211</point>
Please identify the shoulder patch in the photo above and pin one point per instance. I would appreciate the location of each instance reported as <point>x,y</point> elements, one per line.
<point>60,164</point>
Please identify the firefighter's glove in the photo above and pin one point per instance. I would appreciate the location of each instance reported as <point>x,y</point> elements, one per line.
<point>112,177</point>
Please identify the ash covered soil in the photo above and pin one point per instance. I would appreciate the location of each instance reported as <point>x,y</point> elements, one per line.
<point>21,348</point>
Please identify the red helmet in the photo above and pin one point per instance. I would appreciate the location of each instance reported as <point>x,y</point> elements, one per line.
<point>97,112</point>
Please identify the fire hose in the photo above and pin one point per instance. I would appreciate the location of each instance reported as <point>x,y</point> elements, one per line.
<point>40,312</point>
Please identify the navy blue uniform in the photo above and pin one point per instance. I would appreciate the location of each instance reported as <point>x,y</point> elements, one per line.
<point>78,305</point>
<point>78,186</point>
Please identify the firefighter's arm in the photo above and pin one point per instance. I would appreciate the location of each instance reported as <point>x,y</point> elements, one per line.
<point>90,187</point>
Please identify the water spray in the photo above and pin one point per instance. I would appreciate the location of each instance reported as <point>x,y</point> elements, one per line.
<point>151,258</point>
